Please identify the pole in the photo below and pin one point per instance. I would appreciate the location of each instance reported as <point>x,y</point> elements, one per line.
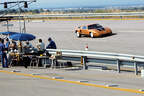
<point>24,26</point>
<point>85,67</point>
<point>136,68</point>
<point>118,66</point>
<point>19,16</point>
<point>81,60</point>
<point>7,26</point>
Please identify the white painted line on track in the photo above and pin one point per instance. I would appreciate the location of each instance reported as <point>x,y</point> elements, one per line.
<point>142,90</point>
<point>75,82</point>
<point>16,71</point>
<point>57,77</point>
<point>112,85</point>
<point>35,73</point>
<point>82,81</point>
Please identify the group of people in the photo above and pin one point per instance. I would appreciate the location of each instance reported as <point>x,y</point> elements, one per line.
<point>7,46</point>
<point>41,45</point>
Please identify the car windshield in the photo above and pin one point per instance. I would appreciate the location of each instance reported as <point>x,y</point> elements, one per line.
<point>94,26</point>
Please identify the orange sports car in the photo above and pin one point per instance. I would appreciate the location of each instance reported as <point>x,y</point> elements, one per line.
<point>93,30</point>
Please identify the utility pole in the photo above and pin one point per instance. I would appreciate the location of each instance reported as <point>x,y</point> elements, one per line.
<point>19,9</point>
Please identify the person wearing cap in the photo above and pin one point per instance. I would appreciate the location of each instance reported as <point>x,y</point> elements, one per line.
<point>51,44</point>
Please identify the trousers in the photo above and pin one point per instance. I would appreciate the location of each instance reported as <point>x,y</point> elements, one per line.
<point>4,60</point>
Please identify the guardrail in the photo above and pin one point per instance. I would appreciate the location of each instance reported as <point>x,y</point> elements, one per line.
<point>91,14</point>
<point>121,14</point>
<point>101,57</point>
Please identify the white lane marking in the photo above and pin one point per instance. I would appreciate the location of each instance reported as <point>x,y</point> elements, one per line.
<point>57,77</point>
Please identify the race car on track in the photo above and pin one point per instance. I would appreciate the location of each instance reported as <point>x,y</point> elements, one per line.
<point>93,30</point>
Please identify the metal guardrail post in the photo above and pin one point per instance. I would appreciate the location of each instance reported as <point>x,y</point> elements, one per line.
<point>81,60</point>
<point>118,65</point>
<point>136,68</point>
<point>85,67</point>
<point>93,56</point>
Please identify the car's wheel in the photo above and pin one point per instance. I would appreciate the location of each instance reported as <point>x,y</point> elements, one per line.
<point>91,35</point>
<point>78,34</point>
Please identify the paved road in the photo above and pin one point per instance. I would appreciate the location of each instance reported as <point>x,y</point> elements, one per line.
<point>128,36</point>
<point>128,39</point>
<point>19,85</point>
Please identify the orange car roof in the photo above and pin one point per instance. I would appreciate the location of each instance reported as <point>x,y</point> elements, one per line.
<point>89,24</point>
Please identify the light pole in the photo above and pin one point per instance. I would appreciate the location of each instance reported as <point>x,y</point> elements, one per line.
<point>19,12</point>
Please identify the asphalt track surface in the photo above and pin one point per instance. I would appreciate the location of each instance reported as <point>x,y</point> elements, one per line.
<point>24,83</point>
<point>127,35</point>
<point>127,38</point>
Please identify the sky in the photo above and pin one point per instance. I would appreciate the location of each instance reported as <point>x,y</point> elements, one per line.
<point>79,3</point>
<point>82,3</point>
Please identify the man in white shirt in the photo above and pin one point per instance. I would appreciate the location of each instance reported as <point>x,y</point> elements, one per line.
<point>40,45</point>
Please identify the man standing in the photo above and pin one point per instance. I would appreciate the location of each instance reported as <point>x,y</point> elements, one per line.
<point>7,44</point>
<point>3,54</point>
<point>51,44</point>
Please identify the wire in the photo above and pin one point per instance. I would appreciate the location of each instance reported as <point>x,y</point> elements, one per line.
<point>8,9</point>
<point>14,6</point>
<point>19,7</point>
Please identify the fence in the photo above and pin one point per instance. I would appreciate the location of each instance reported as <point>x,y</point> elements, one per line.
<point>121,15</point>
<point>102,57</point>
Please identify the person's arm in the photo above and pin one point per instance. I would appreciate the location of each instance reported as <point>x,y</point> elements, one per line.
<point>38,46</point>
<point>53,45</point>
<point>48,46</point>
<point>31,46</point>
<point>11,45</point>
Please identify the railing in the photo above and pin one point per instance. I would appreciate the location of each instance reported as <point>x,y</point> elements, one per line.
<point>81,15</point>
<point>91,14</point>
<point>102,57</point>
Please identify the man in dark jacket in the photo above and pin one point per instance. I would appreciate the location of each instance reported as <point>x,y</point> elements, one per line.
<point>51,44</point>
<point>3,54</point>
<point>7,44</point>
